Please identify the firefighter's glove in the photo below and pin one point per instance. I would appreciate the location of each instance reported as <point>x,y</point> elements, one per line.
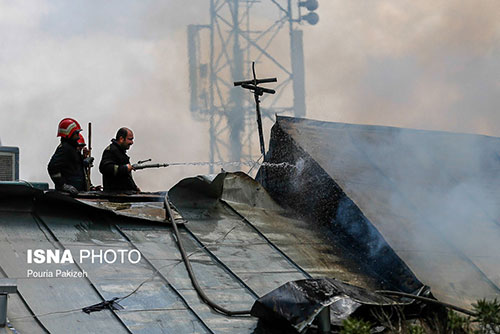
<point>70,189</point>
<point>89,162</point>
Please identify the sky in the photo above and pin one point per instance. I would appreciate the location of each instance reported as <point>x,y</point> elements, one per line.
<point>414,64</point>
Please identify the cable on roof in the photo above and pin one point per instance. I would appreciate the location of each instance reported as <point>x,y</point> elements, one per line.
<point>189,269</point>
<point>35,316</point>
<point>425,299</point>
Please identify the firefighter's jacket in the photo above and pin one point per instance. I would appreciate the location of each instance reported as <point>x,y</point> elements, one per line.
<point>66,166</point>
<point>113,166</point>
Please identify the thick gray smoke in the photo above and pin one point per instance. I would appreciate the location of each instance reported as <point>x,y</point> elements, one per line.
<point>433,195</point>
<point>124,63</point>
<point>117,63</point>
<point>415,64</point>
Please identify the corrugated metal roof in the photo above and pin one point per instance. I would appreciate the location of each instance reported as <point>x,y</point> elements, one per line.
<point>431,196</point>
<point>241,245</point>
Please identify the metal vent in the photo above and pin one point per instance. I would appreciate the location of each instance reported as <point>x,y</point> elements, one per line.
<point>9,163</point>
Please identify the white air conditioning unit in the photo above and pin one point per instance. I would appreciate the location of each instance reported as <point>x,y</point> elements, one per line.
<point>9,163</point>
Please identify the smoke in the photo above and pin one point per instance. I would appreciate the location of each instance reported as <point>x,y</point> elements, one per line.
<point>118,63</point>
<point>409,64</point>
<point>124,63</point>
<point>433,196</point>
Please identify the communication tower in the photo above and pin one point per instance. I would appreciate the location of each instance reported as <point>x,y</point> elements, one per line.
<point>221,52</point>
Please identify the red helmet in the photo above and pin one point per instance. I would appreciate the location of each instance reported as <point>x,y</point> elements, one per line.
<point>67,127</point>
<point>81,140</point>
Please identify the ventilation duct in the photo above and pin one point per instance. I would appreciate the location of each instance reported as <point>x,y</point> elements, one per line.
<point>9,163</point>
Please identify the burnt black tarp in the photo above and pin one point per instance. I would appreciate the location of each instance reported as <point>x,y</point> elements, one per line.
<point>296,304</point>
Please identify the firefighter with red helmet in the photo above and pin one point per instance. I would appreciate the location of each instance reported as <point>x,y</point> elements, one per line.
<point>66,167</point>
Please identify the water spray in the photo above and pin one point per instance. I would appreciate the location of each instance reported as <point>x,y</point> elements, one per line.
<point>250,163</point>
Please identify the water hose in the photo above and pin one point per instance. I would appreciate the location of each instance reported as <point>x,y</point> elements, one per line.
<point>189,269</point>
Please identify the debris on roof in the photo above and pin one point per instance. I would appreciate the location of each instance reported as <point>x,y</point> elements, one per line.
<point>297,304</point>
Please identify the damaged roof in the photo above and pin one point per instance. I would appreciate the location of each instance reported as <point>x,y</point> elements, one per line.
<point>376,207</point>
<point>241,244</point>
<point>429,199</point>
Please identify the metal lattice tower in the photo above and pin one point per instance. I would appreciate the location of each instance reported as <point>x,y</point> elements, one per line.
<point>222,52</point>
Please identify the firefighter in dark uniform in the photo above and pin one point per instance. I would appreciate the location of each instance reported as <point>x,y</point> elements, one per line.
<point>66,165</point>
<point>115,164</point>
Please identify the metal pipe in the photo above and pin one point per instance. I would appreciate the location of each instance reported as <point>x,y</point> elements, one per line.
<point>254,81</point>
<point>3,309</point>
<point>236,121</point>
<point>7,286</point>
<point>211,106</point>
<point>89,180</point>
<point>323,318</point>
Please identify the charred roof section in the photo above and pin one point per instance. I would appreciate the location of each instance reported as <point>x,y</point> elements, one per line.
<point>416,206</point>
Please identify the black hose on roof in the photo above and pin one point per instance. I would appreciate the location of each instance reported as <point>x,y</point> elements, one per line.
<point>189,269</point>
